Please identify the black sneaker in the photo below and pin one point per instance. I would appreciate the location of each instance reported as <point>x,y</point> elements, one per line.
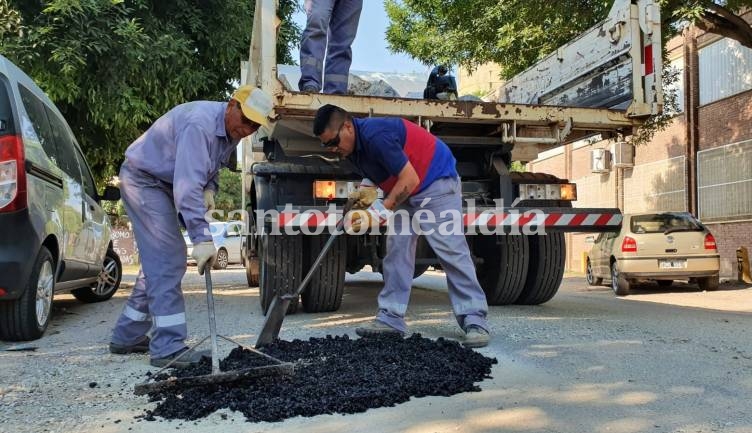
<point>184,357</point>
<point>140,347</point>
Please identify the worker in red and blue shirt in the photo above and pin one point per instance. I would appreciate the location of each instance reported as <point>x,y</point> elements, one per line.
<point>416,171</point>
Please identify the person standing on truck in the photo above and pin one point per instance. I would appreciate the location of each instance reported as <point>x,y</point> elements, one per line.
<point>170,176</point>
<point>330,28</point>
<point>410,165</point>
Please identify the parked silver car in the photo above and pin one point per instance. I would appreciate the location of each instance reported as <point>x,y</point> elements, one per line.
<point>54,235</point>
<point>226,236</point>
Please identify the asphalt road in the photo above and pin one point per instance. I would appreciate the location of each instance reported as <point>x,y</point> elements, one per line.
<point>656,361</point>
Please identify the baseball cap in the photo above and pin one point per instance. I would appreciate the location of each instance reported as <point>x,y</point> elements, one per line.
<point>255,104</point>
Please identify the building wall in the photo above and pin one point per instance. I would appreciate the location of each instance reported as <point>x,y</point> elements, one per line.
<point>484,79</point>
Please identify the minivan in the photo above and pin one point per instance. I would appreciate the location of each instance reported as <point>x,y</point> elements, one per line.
<point>54,235</point>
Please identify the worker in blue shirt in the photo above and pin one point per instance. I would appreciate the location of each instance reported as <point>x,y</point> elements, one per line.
<point>410,165</point>
<point>330,29</point>
<point>169,175</point>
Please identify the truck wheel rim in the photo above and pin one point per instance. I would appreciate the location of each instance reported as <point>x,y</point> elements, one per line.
<point>614,278</point>
<point>589,273</point>
<point>45,282</point>
<point>108,277</point>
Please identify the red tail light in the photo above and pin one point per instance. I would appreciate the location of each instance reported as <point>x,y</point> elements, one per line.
<point>628,245</point>
<point>12,174</point>
<point>710,242</point>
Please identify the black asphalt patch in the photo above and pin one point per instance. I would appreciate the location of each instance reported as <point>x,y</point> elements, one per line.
<point>333,375</point>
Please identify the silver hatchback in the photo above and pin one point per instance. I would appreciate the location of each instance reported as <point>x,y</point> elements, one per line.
<point>54,235</point>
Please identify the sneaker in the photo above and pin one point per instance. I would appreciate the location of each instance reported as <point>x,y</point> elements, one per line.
<point>140,347</point>
<point>377,328</point>
<point>182,358</point>
<point>310,89</point>
<point>475,336</point>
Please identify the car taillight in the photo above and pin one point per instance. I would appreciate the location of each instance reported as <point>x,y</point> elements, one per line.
<point>12,174</point>
<point>628,245</point>
<point>710,242</point>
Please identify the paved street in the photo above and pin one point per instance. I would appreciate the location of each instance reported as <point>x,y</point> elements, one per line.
<point>656,361</point>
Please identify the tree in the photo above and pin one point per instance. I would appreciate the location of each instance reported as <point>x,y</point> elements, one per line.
<point>114,66</point>
<point>517,33</point>
<point>229,195</point>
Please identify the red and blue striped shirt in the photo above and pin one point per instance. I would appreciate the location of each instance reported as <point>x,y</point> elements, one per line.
<point>383,145</point>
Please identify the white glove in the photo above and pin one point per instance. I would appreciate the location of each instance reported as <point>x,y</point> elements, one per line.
<point>376,215</point>
<point>209,199</point>
<point>204,253</point>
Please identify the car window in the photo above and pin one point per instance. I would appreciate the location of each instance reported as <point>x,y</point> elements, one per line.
<point>233,229</point>
<point>6,111</point>
<point>664,222</point>
<point>37,113</point>
<point>67,160</point>
<point>86,178</point>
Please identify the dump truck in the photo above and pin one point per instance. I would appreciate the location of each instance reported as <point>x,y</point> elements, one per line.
<point>607,81</point>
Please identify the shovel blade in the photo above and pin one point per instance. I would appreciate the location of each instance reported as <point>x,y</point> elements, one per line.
<point>273,321</point>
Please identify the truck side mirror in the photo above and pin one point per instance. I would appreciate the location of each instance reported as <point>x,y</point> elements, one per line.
<point>111,193</point>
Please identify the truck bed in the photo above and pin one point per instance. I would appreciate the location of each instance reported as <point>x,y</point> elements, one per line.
<point>531,128</point>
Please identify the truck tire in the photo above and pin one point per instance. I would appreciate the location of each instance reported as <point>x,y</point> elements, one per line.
<point>281,260</point>
<point>546,269</point>
<point>324,291</point>
<point>504,268</point>
<point>420,270</point>
<point>252,271</point>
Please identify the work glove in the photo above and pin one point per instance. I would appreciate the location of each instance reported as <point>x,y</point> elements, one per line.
<point>209,199</point>
<point>373,216</point>
<point>361,198</point>
<point>204,253</point>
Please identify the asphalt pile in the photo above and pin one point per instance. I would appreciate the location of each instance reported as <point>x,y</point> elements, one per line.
<point>333,375</point>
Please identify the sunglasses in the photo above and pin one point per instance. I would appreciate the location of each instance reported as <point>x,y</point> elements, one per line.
<point>334,142</point>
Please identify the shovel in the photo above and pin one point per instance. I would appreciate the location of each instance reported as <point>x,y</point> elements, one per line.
<point>277,310</point>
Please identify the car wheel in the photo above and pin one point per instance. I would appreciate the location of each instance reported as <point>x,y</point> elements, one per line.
<point>665,283</point>
<point>619,284</point>
<point>592,280</point>
<point>107,283</point>
<point>708,284</point>
<point>223,259</point>
<point>27,317</point>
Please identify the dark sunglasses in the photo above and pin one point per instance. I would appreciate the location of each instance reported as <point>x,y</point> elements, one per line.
<point>334,142</point>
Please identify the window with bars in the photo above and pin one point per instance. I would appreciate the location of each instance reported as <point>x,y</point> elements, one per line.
<point>725,70</point>
<point>724,182</point>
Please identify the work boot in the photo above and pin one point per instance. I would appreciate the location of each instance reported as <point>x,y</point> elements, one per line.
<point>183,358</point>
<point>377,328</point>
<point>122,349</point>
<point>475,336</point>
<point>310,89</point>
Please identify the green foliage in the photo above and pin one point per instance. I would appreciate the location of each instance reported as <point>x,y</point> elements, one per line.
<point>514,34</point>
<point>114,66</point>
<point>228,198</point>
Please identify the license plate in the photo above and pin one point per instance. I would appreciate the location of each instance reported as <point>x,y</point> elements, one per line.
<point>672,264</point>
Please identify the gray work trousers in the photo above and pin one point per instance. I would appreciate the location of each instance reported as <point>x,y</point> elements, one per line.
<point>467,298</point>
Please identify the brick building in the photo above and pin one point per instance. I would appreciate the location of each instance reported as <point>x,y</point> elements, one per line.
<point>702,163</point>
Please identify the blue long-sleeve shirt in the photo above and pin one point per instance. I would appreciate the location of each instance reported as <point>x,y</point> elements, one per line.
<point>186,148</point>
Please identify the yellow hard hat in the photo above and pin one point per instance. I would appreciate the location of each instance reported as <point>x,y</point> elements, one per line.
<point>255,104</point>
